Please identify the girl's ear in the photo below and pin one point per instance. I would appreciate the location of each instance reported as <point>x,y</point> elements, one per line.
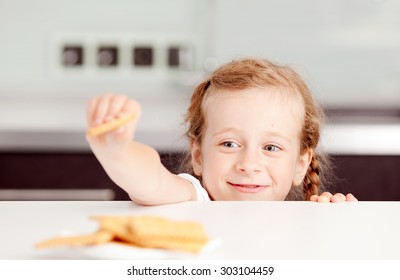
<point>195,152</point>
<point>302,166</point>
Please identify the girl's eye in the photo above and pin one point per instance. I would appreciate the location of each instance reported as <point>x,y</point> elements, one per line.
<point>272,148</point>
<point>230,144</point>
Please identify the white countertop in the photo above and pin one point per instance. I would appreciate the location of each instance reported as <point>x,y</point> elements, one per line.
<point>247,230</point>
<point>59,124</point>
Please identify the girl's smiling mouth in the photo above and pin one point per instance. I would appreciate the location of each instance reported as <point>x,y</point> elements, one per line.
<point>248,188</point>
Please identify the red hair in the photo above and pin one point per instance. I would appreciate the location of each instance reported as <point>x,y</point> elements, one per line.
<point>247,73</point>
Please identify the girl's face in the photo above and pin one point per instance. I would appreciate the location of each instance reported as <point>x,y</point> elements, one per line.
<point>251,145</point>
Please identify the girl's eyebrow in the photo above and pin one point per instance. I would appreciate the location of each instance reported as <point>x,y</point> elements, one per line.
<point>278,135</point>
<point>225,130</point>
<point>267,133</point>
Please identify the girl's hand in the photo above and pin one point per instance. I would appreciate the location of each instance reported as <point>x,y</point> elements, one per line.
<point>328,197</point>
<point>105,108</point>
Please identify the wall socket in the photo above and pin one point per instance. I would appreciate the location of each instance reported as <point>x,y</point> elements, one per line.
<point>123,55</point>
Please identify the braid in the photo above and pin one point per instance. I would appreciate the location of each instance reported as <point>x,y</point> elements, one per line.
<point>249,73</point>
<point>311,182</point>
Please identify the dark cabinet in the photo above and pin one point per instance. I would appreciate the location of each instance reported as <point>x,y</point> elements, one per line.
<point>54,171</point>
<point>372,178</point>
<point>375,178</point>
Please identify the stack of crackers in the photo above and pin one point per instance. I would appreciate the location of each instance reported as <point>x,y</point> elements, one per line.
<point>141,231</point>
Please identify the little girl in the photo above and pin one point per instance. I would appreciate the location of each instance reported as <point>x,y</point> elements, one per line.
<point>253,129</point>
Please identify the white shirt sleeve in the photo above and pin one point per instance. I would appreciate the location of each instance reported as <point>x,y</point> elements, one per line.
<point>201,193</point>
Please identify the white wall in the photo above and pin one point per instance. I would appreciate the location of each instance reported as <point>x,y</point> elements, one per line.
<point>348,50</point>
<point>32,34</point>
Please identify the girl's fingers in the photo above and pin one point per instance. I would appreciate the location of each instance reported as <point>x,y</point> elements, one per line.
<point>91,110</point>
<point>350,197</point>
<point>129,107</point>
<point>105,108</point>
<point>111,114</point>
<point>116,103</point>
<point>101,110</point>
<point>327,194</point>
<point>323,198</point>
<point>338,197</point>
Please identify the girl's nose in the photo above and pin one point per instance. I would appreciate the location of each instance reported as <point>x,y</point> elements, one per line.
<point>249,164</point>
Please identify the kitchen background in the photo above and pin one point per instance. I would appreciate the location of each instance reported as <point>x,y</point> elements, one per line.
<point>55,55</point>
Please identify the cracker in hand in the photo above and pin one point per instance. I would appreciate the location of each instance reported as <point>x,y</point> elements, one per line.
<point>110,126</point>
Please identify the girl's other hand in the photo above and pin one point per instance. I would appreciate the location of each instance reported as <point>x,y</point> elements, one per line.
<point>328,197</point>
<point>108,107</point>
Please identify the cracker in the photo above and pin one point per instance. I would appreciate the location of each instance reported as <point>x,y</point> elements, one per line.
<point>115,225</point>
<point>176,243</point>
<point>96,238</point>
<point>141,231</point>
<point>156,232</point>
<point>110,126</point>
<point>157,227</point>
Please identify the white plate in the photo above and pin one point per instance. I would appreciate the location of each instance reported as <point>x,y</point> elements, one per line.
<point>120,251</point>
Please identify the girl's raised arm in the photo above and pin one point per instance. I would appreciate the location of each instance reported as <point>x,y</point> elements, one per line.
<point>133,166</point>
